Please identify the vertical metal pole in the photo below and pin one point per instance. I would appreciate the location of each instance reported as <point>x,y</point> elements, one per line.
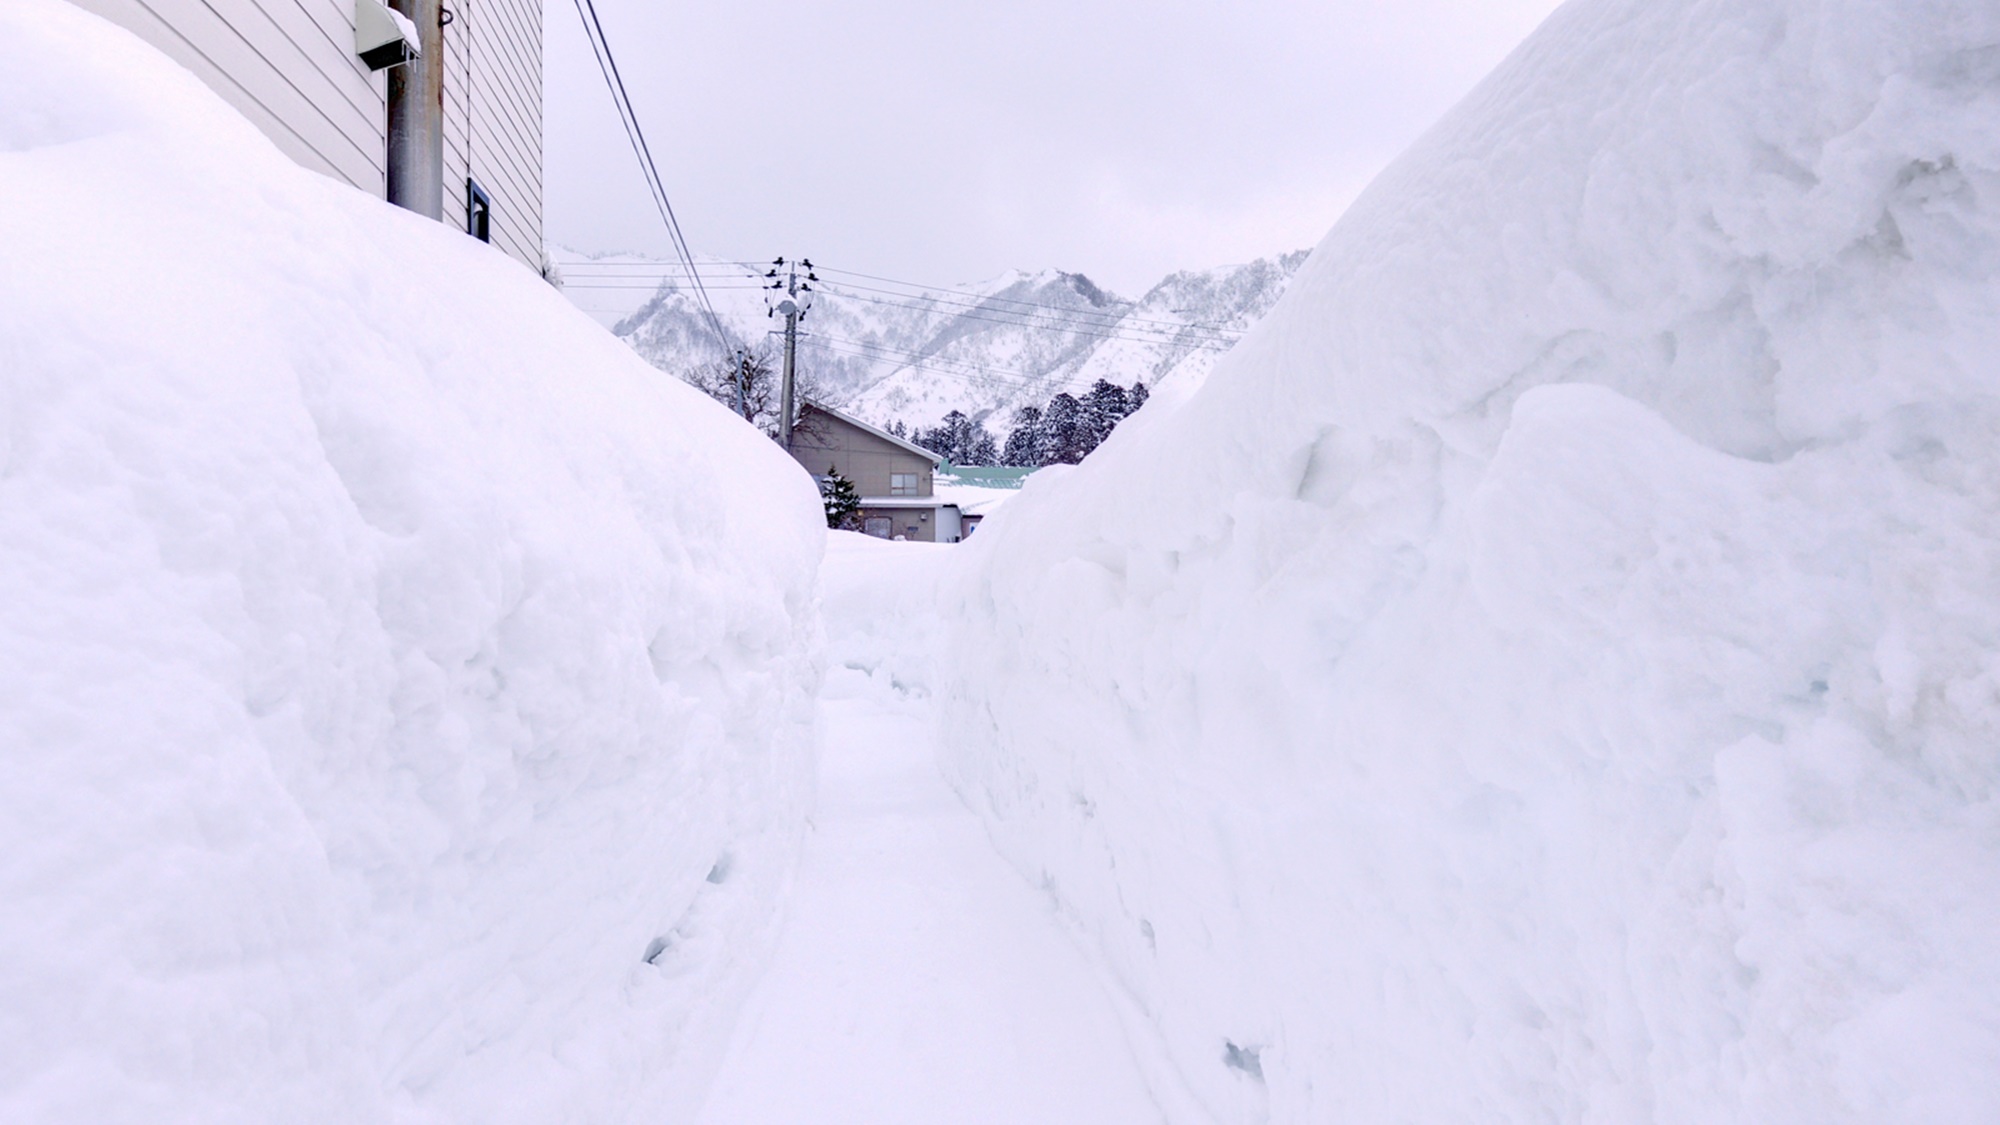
<point>416,116</point>
<point>791,352</point>
<point>742,382</point>
<point>785,396</point>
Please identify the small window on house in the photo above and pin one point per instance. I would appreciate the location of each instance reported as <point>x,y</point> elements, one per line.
<point>878,526</point>
<point>902,484</point>
<point>478,211</point>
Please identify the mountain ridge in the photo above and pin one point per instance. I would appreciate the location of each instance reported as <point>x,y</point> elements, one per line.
<point>889,351</point>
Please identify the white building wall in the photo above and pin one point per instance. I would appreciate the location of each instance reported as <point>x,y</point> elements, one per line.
<point>288,65</point>
<point>493,118</point>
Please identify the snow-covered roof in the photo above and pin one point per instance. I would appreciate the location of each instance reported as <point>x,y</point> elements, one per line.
<point>885,435</point>
<point>972,499</point>
<point>906,502</point>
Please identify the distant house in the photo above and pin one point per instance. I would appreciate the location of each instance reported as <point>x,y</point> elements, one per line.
<point>894,476</point>
<point>433,106</point>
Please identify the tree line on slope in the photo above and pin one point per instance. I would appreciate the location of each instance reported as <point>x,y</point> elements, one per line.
<point>1061,433</point>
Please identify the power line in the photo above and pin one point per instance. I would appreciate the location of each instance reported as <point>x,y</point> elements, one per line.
<point>586,11</point>
<point>735,275</point>
<point>1095,318</point>
<point>947,292</point>
<point>964,369</point>
<point>935,364</point>
<point>1016,381</point>
<point>1102,318</point>
<point>668,267</point>
<point>1053,320</point>
<point>1078,328</point>
<point>1042,317</point>
<point>879,352</point>
<point>590,284</point>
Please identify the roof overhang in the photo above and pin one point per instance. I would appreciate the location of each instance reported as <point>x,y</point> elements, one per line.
<point>911,502</point>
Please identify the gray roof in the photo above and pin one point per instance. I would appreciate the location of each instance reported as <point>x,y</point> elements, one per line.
<point>858,424</point>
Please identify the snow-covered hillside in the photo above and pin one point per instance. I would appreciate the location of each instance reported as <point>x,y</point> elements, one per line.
<point>1551,670</point>
<point>889,352</point>
<point>405,691</point>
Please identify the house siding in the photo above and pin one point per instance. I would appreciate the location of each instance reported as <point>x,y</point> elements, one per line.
<point>821,440</point>
<point>287,65</point>
<point>917,525</point>
<point>493,119</point>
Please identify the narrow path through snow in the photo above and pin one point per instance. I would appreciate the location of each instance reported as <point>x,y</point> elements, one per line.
<point>919,979</point>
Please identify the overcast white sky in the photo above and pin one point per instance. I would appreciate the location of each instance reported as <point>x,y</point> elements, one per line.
<point>943,142</point>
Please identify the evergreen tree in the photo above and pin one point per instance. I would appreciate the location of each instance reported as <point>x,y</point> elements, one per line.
<point>843,503</point>
<point>1104,407</point>
<point>1069,428</point>
<point>1024,441</point>
<point>1066,434</point>
<point>959,440</point>
<point>982,450</point>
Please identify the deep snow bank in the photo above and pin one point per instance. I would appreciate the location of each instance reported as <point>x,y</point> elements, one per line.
<point>389,660</point>
<point>1552,670</point>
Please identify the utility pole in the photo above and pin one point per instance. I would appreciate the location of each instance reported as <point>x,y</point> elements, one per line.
<point>742,382</point>
<point>791,363</point>
<point>416,115</point>
<point>790,298</point>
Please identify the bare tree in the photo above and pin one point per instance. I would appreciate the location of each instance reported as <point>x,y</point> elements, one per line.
<point>751,389</point>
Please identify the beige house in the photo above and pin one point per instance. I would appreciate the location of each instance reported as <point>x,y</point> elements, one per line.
<point>894,476</point>
<point>295,69</point>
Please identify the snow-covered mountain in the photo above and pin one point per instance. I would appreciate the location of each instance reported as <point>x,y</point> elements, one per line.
<point>888,351</point>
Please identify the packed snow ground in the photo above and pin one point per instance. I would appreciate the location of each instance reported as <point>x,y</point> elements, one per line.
<point>919,978</point>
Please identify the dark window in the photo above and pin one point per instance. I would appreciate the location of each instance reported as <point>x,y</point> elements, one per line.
<point>478,211</point>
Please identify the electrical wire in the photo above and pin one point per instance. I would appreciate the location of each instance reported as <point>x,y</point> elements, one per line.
<point>586,11</point>
<point>1018,381</point>
<point>1077,329</point>
<point>1131,329</point>
<point>930,364</point>
<point>668,267</point>
<point>948,293</point>
<point>1110,321</point>
<point>1044,319</point>
<point>717,275</point>
<point>963,369</point>
<point>590,284</point>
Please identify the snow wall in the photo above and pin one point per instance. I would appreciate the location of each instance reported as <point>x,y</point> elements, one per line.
<point>405,691</point>
<point>1551,671</point>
